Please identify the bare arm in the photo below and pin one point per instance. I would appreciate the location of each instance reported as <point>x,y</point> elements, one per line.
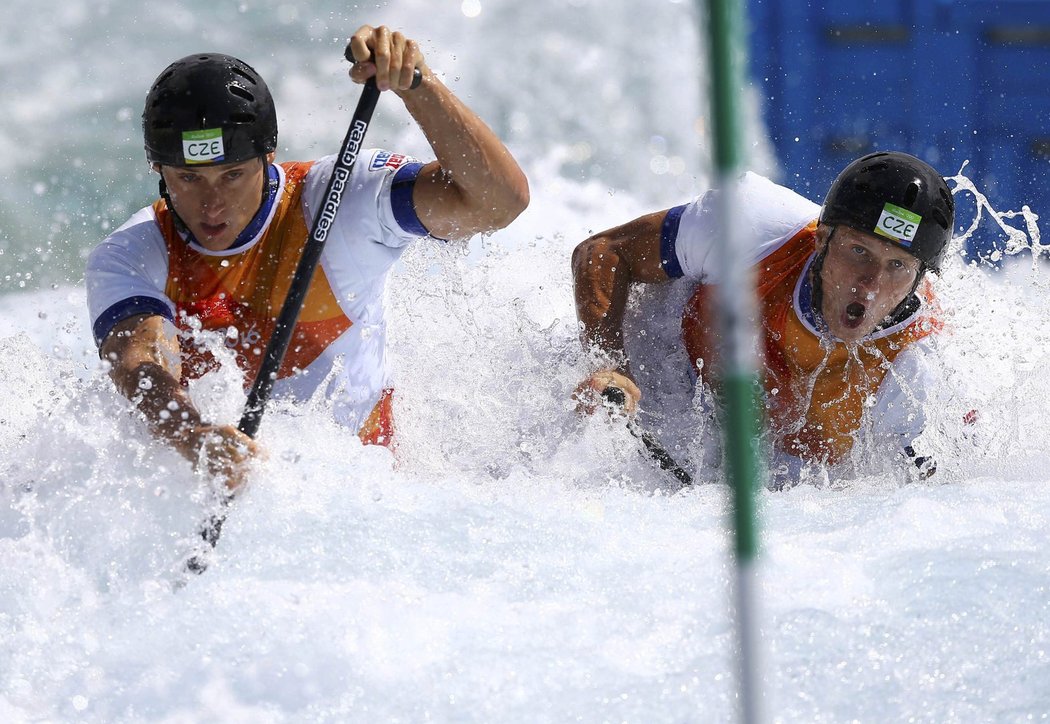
<point>475,185</point>
<point>603,269</point>
<point>145,365</point>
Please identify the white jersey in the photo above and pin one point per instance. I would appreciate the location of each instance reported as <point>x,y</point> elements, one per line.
<point>819,397</point>
<point>769,215</point>
<point>150,265</point>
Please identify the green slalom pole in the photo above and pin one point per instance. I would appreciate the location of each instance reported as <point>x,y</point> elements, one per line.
<point>737,305</point>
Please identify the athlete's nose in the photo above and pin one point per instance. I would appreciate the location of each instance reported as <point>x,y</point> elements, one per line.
<point>213,205</point>
<point>869,278</point>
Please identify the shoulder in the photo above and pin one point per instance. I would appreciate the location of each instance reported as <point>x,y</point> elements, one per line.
<point>917,360</point>
<point>293,172</point>
<point>372,176</point>
<point>766,199</point>
<point>135,242</point>
<point>126,273</point>
<point>141,226</point>
<point>899,410</point>
<point>376,218</point>
<point>371,165</point>
<point>912,372</point>
<point>766,214</point>
<point>766,209</point>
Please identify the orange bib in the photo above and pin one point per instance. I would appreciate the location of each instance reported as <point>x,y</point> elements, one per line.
<point>240,296</point>
<point>816,391</point>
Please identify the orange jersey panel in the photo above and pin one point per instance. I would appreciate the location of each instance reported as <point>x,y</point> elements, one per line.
<point>378,429</point>
<point>815,390</point>
<point>245,291</point>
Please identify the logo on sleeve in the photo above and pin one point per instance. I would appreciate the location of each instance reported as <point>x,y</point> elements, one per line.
<point>385,159</point>
<point>898,224</point>
<point>202,146</point>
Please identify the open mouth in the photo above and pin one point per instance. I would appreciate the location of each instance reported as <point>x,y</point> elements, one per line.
<point>212,229</point>
<point>854,311</point>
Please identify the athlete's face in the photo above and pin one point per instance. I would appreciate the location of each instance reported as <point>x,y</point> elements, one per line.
<point>864,278</point>
<point>217,202</point>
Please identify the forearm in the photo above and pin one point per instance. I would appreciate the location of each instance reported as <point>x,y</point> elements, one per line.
<point>162,400</point>
<point>145,366</point>
<point>477,173</point>
<point>604,268</point>
<point>223,450</point>
<point>601,285</point>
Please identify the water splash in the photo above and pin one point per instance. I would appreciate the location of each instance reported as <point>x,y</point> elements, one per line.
<point>1017,240</point>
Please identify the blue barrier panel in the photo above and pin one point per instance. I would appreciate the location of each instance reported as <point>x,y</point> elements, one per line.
<point>946,80</point>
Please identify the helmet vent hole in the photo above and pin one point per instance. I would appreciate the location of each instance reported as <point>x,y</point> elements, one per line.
<point>242,93</point>
<point>237,71</point>
<point>242,118</point>
<point>940,218</point>
<point>910,194</point>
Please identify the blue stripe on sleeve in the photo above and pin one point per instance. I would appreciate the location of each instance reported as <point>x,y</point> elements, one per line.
<point>127,308</point>
<point>401,199</point>
<point>668,238</point>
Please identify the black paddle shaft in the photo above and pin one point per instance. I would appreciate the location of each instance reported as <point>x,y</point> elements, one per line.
<point>338,184</point>
<point>618,398</point>
<point>276,348</point>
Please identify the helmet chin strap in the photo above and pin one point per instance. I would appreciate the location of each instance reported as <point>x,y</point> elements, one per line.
<point>180,225</point>
<point>909,304</point>
<point>816,284</point>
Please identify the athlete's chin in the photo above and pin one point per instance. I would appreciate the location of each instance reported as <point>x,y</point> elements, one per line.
<point>851,337</point>
<point>217,245</point>
<point>851,331</point>
<point>214,239</point>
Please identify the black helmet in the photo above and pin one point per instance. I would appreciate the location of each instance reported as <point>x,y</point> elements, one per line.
<point>896,196</point>
<point>207,109</point>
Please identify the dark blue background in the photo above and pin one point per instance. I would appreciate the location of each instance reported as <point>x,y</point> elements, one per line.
<point>945,80</point>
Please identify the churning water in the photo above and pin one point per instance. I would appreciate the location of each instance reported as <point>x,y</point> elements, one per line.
<point>514,563</point>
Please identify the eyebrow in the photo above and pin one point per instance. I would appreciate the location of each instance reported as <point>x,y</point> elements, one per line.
<point>238,167</point>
